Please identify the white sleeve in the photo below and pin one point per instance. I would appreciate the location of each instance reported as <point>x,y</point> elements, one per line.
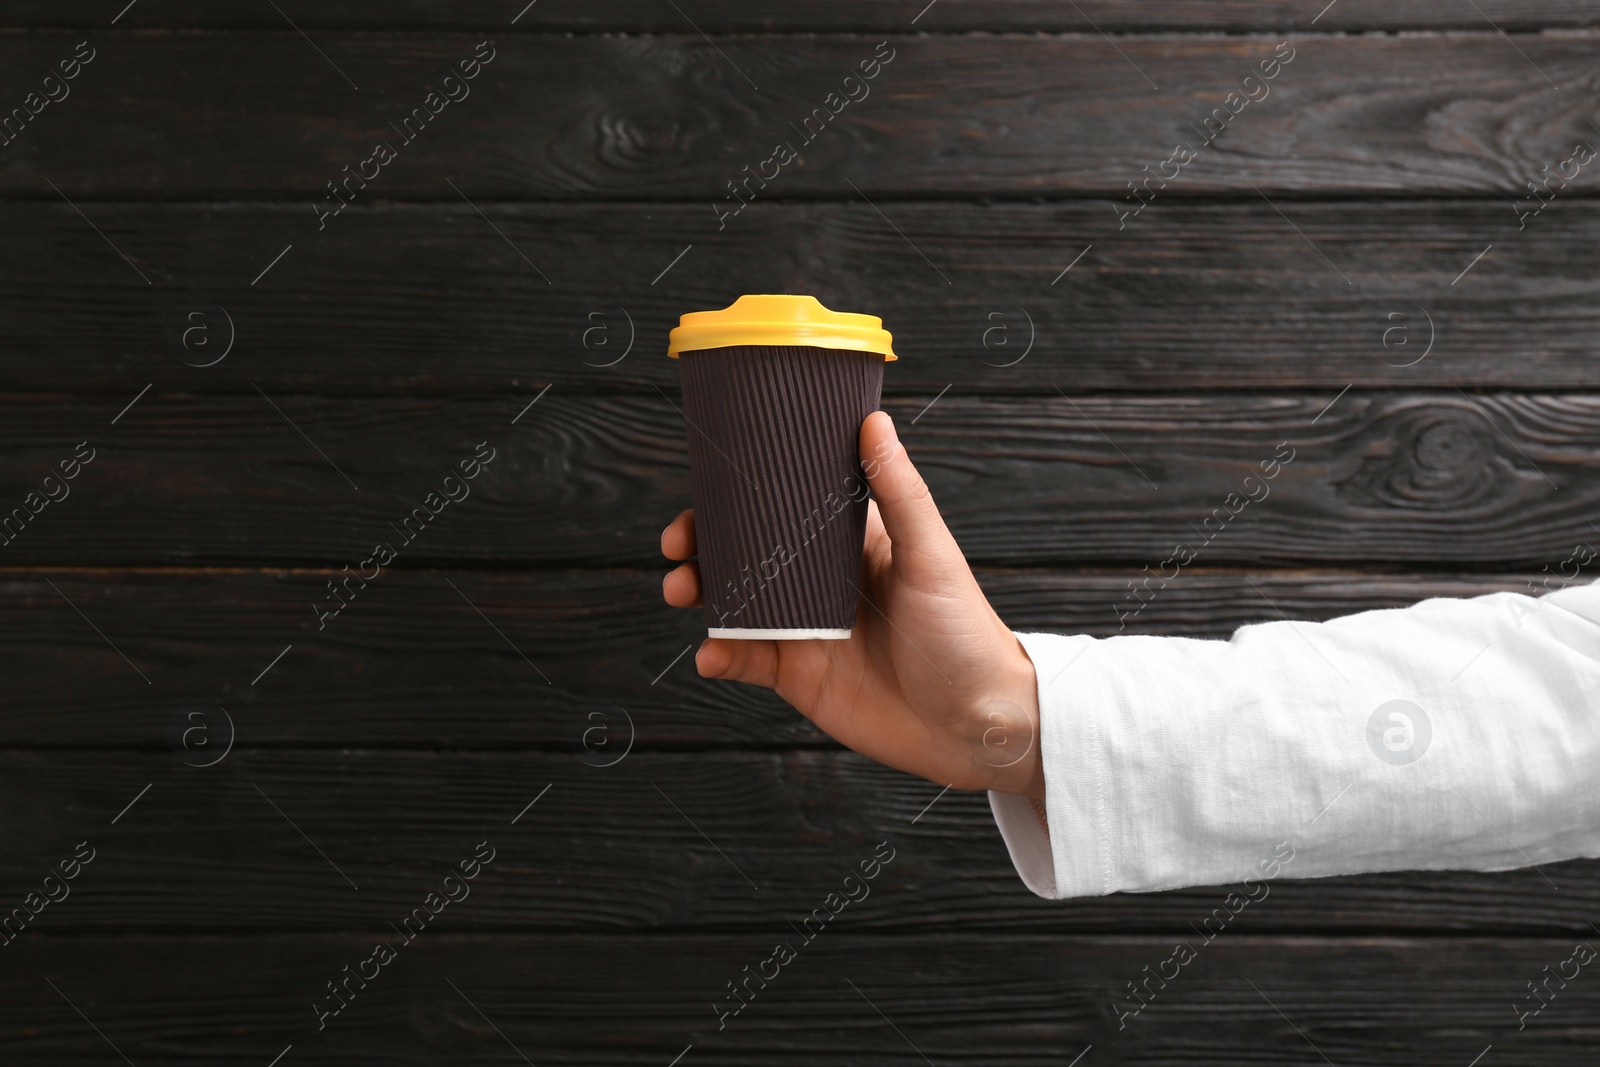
<point>1453,734</point>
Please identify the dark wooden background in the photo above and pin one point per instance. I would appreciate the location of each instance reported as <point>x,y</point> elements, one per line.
<point>518,650</point>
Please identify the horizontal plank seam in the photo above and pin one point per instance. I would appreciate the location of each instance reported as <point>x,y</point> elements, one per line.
<point>933,198</point>
<point>400,748</point>
<point>1466,29</point>
<point>907,393</point>
<point>1393,569</point>
<point>1376,936</point>
<point>1318,569</point>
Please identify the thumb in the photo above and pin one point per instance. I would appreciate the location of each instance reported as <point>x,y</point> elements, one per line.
<point>910,517</point>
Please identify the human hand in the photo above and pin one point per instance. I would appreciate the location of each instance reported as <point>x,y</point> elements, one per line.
<point>930,681</point>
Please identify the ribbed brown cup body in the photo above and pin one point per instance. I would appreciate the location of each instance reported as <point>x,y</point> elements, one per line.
<point>780,503</point>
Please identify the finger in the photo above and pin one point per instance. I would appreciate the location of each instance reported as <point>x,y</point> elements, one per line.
<point>909,514</point>
<point>755,662</point>
<point>876,548</point>
<point>681,586</point>
<point>677,540</point>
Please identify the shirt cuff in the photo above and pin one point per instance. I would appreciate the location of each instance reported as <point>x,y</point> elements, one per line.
<point>1061,849</point>
<point>1026,832</point>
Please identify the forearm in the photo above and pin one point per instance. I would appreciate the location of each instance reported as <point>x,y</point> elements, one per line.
<point>1173,762</point>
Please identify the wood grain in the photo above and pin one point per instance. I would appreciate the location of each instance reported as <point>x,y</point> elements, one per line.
<point>183,115</point>
<point>1420,478</point>
<point>285,842</point>
<point>411,663</point>
<point>1003,1001</point>
<point>430,299</point>
<point>892,16</point>
<point>241,769</point>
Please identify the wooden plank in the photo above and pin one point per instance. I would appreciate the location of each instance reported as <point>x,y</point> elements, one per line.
<point>1429,478</point>
<point>430,299</point>
<point>410,645</point>
<point>182,115</point>
<point>890,16</point>
<point>841,1000</point>
<point>287,841</point>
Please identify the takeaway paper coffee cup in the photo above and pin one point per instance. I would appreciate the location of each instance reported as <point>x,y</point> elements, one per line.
<point>775,389</point>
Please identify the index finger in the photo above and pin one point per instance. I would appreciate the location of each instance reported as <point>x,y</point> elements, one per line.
<point>677,540</point>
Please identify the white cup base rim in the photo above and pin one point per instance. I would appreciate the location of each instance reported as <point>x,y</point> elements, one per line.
<point>800,634</point>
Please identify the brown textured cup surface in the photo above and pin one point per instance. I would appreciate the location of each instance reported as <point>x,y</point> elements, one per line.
<point>780,503</point>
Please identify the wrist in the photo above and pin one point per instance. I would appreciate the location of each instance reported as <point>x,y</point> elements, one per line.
<point>1009,727</point>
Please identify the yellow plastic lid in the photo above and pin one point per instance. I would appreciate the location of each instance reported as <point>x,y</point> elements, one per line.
<point>780,320</point>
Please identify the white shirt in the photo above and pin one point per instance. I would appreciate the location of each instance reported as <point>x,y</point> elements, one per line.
<point>1172,761</point>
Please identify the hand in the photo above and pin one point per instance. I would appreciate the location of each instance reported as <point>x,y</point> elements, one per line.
<point>930,681</point>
